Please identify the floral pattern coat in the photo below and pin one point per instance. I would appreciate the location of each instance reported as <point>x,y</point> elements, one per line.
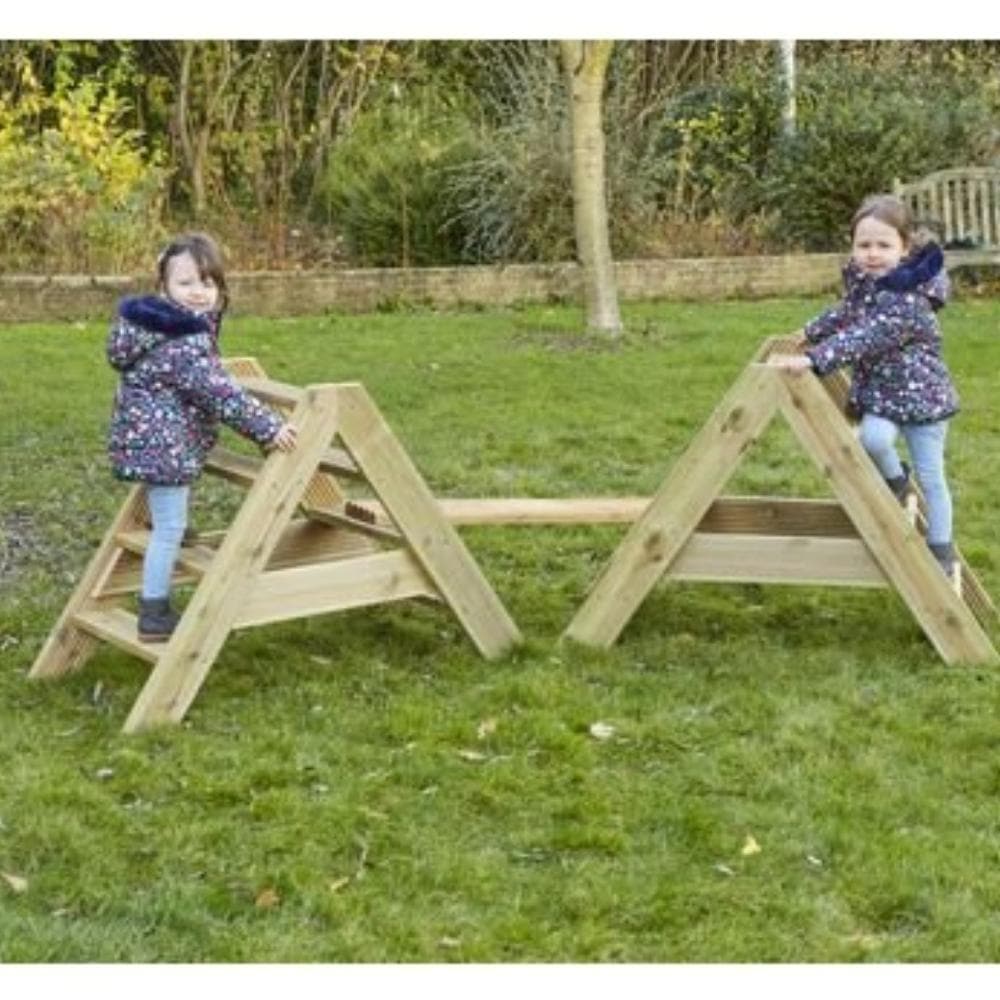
<point>886,330</point>
<point>173,393</point>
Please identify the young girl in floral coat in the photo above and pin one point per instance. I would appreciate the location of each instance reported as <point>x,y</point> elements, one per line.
<point>172,394</point>
<point>886,330</point>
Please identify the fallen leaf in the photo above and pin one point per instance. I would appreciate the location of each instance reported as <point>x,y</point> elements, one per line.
<point>339,884</point>
<point>602,731</point>
<point>16,882</point>
<point>267,899</point>
<point>750,846</point>
<point>486,728</point>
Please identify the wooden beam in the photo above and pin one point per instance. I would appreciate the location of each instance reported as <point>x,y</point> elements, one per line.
<point>413,509</point>
<point>896,545</point>
<point>730,558</point>
<point>675,511</point>
<point>279,595</point>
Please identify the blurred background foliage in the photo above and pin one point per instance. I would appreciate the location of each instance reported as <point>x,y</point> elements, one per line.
<point>303,154</point>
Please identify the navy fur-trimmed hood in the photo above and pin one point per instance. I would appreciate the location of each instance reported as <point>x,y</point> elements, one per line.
<point>145,322</point>
<point>922,271</point>
<point>160,315</point>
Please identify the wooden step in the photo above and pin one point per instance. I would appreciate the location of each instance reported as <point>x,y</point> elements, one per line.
<point>233,466</point>
<point>243,469</point>
<point>272,391</point>
<point>117,626</point>
<point>194,559</point>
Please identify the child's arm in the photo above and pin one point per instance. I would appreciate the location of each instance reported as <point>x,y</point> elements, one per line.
<point>897,319</point>
<point>826,324</point>
<point>201,380</point>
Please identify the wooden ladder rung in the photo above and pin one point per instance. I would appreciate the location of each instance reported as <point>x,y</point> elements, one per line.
<point>231,465</point>
<point>243,469</point>
<point>117,626</point>
<point>192,558</point>
<point>271,391</point>
<point>338,461</point>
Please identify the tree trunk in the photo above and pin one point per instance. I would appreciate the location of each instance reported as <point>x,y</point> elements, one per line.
<point>786,74</point>
<point>585,65</point>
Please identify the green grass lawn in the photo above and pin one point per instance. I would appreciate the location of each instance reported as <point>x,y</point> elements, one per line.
<point>363,787</point>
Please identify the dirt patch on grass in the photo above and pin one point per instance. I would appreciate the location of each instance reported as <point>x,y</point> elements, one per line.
<point>21,542</point>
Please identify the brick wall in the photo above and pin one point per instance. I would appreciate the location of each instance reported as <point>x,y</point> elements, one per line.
<point>25,298</point>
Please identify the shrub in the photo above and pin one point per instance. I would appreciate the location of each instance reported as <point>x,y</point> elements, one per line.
<point>385,189</point>
<point>76,189</point>
<point>860,127</point>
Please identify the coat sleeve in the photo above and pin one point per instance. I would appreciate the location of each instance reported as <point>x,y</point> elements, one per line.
<point>826,324</point>
<point>201,380</point>
<point>896,319</point>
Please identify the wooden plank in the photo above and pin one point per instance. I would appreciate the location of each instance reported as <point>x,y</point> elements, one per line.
<point>216,603</point>
<point>339,518</point>
<point>339,462</point>
<point>995,187</point>
<point>117,626</point>
<point>67,646</point>
<point>241,468</point>
<point>192,560</point>
<point>411,505</point>
<point>676,509</point>
<point>305,541</point>
<point>947,215</point>
<point>726,558</point>
<point>464,512</point>
<point>269,390</point>
<point>984,211</point>
<point>749,515</point>
<point>777,516</point>
<point>279,595</point>
<point>896,545</point>
<point>233,466</point>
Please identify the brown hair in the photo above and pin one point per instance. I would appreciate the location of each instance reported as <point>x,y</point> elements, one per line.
<point>206,255</point>
<point>889,209</point>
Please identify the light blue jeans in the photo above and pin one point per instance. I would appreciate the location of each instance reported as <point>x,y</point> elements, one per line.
<point>168,506</point>
<point>925,443</point>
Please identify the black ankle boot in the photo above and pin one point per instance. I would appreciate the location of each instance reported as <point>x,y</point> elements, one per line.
<point>157,620</point>
<point>900,485</point>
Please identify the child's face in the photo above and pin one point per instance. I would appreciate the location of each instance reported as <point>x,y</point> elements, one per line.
<point>878,247</point>
<point>186,286</point>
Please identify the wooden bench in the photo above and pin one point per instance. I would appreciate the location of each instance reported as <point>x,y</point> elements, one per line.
<point>961,205</point>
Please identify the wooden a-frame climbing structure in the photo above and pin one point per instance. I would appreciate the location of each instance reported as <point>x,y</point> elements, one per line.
<point>299,545</point>
<point>861,538</point>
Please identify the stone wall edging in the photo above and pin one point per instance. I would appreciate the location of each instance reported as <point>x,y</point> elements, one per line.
<point>31,298</point>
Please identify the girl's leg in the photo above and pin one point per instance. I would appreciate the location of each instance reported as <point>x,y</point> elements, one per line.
<point>168,509</point>
<point>925,443</point>
<point>878,438</point>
